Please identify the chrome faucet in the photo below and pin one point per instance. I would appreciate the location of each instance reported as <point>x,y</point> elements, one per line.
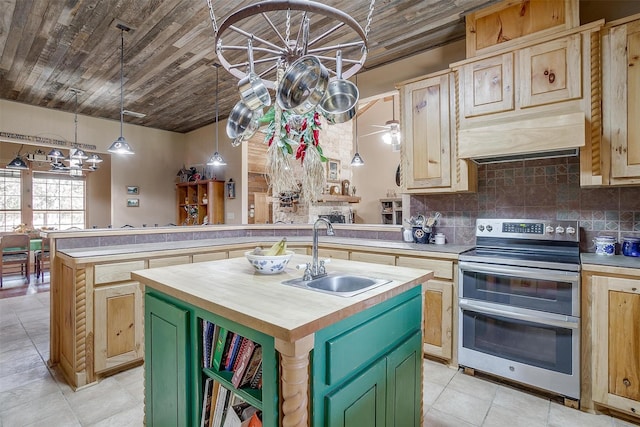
<point>316,268</point>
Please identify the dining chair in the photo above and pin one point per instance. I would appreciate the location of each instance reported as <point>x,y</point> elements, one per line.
<point>41,256</point>
<point>15,251</point>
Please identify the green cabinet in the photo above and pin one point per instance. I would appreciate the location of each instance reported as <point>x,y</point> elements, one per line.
<point>361,402</point>
<point>385,394</point>
<point>367,369</point>
<point>166,364</point>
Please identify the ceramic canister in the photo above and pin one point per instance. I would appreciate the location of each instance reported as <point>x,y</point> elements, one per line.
<point>605,245</point>
<point>631,246</point>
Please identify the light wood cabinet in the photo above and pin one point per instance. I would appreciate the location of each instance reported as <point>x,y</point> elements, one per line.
<point>540,95</point>
<point>621,99</point>
<point>488,85</point>
<point>438,319</point>
<point>550,72</point>
<point>118,314</point>
<point>615,342</point>
<point>430,162</point>
<point>199,201</point>
<point>438,338</point>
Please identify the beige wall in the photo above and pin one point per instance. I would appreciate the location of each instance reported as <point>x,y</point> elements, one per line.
<point>153,168</point>
<point>377,176</point>
<point>200,146</point>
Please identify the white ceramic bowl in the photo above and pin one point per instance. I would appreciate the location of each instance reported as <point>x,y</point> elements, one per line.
<point>265,264</point>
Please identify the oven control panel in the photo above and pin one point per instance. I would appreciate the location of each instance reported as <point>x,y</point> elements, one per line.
<point>528,229</point>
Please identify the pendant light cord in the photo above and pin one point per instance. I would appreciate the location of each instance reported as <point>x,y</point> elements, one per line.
<point>75,120</point>
<point>121,80</point>
<point>217,108</point>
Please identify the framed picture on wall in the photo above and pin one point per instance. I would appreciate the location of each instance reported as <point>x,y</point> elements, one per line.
<point>333,170</point>
<point>133,189</point>
<point>133,203</point>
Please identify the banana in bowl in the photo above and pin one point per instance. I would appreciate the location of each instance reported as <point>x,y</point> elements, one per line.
<point>270,261</point>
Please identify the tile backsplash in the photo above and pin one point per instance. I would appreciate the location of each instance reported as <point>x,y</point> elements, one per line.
<point>536,189</point>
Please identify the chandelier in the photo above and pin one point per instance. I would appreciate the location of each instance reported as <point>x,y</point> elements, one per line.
<point>77,158</point>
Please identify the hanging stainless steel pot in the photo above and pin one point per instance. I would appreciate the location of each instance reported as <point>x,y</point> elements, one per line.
<point>303,85</point>
<point>340,101</point>
<point>239,119</point>
<point>253,91</point>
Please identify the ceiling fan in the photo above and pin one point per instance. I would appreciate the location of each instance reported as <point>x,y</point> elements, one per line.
<point>391,130</point>
<point>391,135</point>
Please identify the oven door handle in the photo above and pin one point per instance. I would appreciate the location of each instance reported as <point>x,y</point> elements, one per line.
<point>514,313</point>
<point>523,272</point>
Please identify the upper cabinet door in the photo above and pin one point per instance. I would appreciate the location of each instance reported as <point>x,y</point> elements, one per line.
<point>488,85</point>
<point>621,100</point>
<point>550,72</point>
<point>427,126</point>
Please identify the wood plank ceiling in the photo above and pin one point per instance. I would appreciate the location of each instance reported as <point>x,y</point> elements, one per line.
<point>50,46</point>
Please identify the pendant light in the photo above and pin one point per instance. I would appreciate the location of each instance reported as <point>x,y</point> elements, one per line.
<point>120,145</point>
<point>216,159</point>
<point>17,163</point>
<point>357,159</point>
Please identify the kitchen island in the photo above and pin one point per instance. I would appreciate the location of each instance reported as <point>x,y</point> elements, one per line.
<point>370,341</point>
<point>97,312</point>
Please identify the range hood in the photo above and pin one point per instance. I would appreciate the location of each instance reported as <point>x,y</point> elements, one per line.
<point>523,138</point>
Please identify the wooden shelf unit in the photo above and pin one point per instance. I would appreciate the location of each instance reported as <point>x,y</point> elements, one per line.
<point>193,195</point>
<point>391,211</point>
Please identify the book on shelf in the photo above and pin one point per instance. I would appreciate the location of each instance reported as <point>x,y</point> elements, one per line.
<point>215,386</point>
<point>206,403</point>
<point>221,404</point>
<point>241,348</point>
<point>256,380</point>
<point>232,351</point>
<point>221,344</point>
<point>254,363</point>
<point>214,339</point>
<point>207,342</point>
<point>239,413</point>
<point>242,361</point>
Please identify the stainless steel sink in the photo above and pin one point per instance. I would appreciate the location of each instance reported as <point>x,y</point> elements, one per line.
<point>344,285</point>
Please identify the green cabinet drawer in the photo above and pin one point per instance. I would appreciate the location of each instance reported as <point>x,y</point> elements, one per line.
<point>358,346</point>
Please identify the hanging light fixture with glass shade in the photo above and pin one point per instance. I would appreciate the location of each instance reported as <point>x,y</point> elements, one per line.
<point>120,145</point>
<point>216,159</point>
<point>392,136</point>
<point>17,163</point>
<point>357,158</point>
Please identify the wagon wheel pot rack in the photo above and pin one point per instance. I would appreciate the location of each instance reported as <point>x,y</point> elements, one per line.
<point>256,45</point>
<point>324,33</point>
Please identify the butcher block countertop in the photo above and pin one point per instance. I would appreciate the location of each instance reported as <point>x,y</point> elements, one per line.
<point>142,250</point>
<point>232,289</point>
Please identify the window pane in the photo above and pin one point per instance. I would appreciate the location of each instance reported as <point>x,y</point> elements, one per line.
<point>10,199</point>
<point>59,201</point>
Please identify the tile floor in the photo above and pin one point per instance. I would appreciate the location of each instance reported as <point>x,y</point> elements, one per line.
<point>33,395</point>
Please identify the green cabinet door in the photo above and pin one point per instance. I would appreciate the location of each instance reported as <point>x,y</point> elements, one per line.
<point>361,401</point>
<point>166,359</point>
<point>404,385</point>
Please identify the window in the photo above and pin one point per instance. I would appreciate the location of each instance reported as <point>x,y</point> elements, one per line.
<point>10,200</point>
<point>58,201</point>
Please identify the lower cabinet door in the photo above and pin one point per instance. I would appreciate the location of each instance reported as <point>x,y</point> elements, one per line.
<point>360,402</point>
<point>167,375</point>
<point>404,383</point>
<point>118,313</point>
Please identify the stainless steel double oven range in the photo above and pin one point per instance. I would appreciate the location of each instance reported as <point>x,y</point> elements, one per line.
<point>519,302</point>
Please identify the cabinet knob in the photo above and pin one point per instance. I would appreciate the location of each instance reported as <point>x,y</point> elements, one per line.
<point>626,382</point>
